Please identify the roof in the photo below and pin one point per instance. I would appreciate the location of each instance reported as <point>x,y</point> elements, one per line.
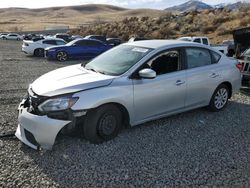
<point>161,43</point>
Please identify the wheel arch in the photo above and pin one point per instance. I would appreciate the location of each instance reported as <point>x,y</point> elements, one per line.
<point>124,111</point>
<point>229,86</point>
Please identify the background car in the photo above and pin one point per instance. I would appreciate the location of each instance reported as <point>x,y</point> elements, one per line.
<point>77,49</point>
<point>66,37</point>
<point>12,36</point>
<point>114,41</point>
<point>97,37</point>
<point>2,35</point>
<point>36,47</point>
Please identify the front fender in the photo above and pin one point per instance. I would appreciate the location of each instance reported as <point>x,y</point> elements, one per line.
<point>114,93</point>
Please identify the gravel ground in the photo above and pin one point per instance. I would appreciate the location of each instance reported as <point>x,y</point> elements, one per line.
<point>193,149</point>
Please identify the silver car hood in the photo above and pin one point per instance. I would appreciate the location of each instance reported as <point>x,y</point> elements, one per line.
<point>69,80</point>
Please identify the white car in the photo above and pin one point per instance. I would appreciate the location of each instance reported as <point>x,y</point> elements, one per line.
<point>36,48</point>
<point>12,36</point>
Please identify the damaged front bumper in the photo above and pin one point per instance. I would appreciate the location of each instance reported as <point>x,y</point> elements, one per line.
<point>37,131</point>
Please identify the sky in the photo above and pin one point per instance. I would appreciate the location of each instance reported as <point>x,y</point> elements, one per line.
<point>158,4</point>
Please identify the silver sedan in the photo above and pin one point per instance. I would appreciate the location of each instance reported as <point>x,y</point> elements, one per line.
<point>129,84</point>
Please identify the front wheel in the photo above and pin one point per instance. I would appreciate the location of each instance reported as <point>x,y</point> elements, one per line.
<point>102,124</point>
<point>62,56</point>
<point>219,99</point>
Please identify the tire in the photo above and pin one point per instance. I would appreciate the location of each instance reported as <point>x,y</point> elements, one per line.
<point>39,52</point>
<point>62,56</point>
<point>219,99</point>
<point>102,124</point>
<point>4,38</point>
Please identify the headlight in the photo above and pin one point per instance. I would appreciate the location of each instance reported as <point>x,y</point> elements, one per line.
<point>57,104</point>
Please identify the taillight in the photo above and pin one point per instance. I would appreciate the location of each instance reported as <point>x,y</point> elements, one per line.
<point>239,66</point>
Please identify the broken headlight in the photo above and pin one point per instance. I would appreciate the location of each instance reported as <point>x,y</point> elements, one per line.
<point>57,104</point>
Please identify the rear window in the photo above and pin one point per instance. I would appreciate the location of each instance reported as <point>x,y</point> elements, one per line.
<point>198,40</point>
<point>215,57</point>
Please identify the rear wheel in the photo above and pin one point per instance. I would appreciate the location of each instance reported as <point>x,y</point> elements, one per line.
<point>219,99</point>
<point>102,124</point>
<point>39,52</point>
<point>62,56</point>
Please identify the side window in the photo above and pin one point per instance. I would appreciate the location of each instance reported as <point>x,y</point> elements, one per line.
<point>198,40</point>
<point>81,43</point>
<point>197,57</point>
<point>166,62</point>
<point>205,41</point>
<point>59,42</point>
<point>51,42</point>
<point>215,57</point>
<point>94,43</point>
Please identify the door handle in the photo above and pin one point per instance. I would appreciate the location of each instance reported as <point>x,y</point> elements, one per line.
<point>214,75</point>
<point>179,82</point>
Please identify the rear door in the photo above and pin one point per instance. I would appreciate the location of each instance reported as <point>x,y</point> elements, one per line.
<point>95,48</point>
<point>203,75</point>
<point>80,49</point>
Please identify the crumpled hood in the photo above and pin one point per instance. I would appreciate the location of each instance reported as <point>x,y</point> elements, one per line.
<point>69,80</point>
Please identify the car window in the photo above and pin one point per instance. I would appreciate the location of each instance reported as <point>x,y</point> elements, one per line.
<point>198,40</point>
<point>215,57</point>
<point>94,43</point>
<point>197,57</point>
<point>13,35</point>
<point>59,42</point>
<point>205,41</point>
<point>166,62</point>
<point>82,43</point>
<point>118,60</point>
<point>51,42</point>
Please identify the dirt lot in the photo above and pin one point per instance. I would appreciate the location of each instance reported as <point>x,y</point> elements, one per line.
<point>193,149</point>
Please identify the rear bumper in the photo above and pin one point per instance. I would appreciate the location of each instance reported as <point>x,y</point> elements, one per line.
<point>37,131</point>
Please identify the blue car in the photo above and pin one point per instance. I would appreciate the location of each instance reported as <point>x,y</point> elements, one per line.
<point>77,49</point>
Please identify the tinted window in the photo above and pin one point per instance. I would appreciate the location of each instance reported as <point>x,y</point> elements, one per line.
<point>82,43</point>
<point>205,41</point>
<point>197,57</point>
<point>59,42</point>
<point>94,43</point>
<point>197,40</point>
<point>13,35</point>
<point>215,57</point>
<point>165,63</point>
<point>51,42</point>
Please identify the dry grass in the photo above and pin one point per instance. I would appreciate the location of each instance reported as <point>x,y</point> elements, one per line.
<point>216,24</point>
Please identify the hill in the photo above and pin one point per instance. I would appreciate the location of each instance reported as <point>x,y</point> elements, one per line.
<point>199,5</point>
<point>217,24</point>
<point>21,19</point>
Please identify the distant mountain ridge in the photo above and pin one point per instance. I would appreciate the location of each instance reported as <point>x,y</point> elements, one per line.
<point>199,5</point>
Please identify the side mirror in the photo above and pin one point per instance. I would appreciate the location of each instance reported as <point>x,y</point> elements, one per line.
<point>147,73</point>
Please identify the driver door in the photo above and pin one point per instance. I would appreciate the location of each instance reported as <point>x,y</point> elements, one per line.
<point>165,93</point>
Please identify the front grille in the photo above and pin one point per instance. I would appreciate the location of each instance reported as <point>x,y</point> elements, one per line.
<point>33,101</point>
<point>246,67</point>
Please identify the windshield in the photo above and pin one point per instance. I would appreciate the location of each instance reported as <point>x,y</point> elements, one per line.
<point>117,60</point>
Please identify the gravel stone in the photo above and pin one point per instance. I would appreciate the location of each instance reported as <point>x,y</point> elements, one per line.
<point>192,149</point>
